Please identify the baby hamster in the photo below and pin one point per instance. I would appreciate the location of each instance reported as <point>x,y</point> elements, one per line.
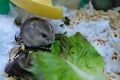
<point>37,32</point>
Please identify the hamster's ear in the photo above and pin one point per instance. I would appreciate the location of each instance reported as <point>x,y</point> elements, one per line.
<point>33,24</point>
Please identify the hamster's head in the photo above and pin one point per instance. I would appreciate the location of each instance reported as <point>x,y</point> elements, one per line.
<point>37,32</point>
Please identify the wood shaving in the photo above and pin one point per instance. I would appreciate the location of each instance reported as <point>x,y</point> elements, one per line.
<point>115,57</point>
<point>13,53</point>
<point>8,78</point>
<point>112,16</point>
<point>100,42</point>
<point>109,77</point>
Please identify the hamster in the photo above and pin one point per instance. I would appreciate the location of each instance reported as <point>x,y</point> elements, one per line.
<point>105,4</point>
<point>102,4</point>
<point>37,32</point>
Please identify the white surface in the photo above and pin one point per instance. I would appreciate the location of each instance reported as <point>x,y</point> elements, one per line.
<point>7,40</point>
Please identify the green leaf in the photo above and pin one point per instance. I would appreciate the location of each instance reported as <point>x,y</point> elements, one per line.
<point>72,58</point>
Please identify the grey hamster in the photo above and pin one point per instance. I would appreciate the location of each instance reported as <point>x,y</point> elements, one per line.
<point>105,4</point>
<point>102,4</point>
<point>37,32</point>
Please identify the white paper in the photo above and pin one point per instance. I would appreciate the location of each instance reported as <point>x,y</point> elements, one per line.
<point>7,40</point>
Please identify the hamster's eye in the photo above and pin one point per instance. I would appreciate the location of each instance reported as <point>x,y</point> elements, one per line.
<point>44,35</point>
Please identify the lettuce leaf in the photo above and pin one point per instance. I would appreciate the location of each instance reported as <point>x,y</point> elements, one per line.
<point>71,58</point>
